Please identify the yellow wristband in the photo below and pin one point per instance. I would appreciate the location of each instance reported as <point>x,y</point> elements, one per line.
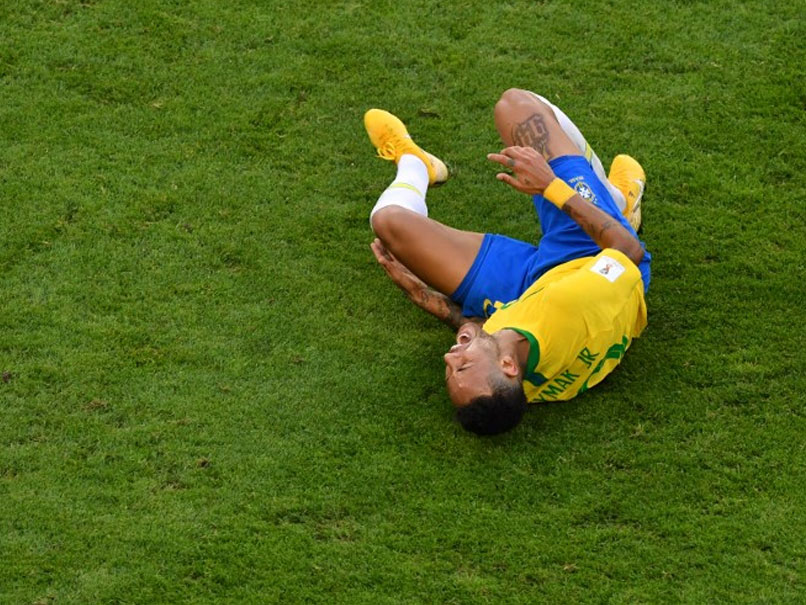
<point>558,192</point>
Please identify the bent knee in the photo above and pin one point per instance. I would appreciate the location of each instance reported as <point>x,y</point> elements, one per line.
<point>388,221</point>
<point>514,109</point>
<point>516,95</point>
<point>515,98</point>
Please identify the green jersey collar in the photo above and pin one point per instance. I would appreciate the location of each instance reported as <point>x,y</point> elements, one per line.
<point>531,373</point>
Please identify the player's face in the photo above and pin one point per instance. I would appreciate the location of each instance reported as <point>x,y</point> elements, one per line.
<point>469,364</point>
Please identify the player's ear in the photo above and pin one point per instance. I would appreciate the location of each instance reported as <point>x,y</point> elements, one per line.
<point>509,366</point>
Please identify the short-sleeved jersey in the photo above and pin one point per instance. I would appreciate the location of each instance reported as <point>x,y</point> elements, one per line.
<point>579,319</point>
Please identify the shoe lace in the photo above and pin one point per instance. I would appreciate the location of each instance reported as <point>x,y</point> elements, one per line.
<point>391,146</point>
<point>387,151</point>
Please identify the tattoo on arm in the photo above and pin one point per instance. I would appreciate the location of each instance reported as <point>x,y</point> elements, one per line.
<point>595,228</point>
<point>441,307</point>
<point>608,224</point>
<point>532,132</point>
<point>603,228</point>
<point>588,226</point>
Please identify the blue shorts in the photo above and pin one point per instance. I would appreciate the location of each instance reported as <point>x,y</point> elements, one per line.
<point>504,267</point>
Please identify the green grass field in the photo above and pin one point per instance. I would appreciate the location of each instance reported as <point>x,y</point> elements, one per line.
<point>212,394</point>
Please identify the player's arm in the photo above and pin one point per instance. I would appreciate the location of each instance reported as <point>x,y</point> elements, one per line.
<point>418,292</point>
<point>533,175</point>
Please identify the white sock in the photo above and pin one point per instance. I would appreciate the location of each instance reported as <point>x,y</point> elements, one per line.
<point>408,189</point>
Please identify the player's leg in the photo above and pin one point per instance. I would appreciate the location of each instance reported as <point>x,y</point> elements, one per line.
<point>585,149</point>
<point>478,271</point>
<point>524,120</point>
<point>519,117</point>
<point>439,255</point>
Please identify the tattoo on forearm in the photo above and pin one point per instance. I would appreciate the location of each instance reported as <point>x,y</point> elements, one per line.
<point>532,132</point>
<point>441,307</point>
<point>450,312</point>
<point>597,224</point>
<point>576,215</point>
<point>456,318</point>
<point>608,224</point>
<point>595,228</point>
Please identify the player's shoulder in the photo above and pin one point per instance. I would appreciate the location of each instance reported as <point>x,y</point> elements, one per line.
<point>607,275</point>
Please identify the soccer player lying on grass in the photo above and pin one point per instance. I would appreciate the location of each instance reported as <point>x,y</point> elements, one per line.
<point>535,323</point>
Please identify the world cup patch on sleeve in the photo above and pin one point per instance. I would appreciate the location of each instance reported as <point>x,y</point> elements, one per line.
<point>607,267</point>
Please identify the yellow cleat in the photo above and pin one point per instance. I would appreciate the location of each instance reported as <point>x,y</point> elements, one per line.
<point>628,177</point>
<point>390,137</point>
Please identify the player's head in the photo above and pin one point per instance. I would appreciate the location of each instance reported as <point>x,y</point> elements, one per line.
<point>483,383</point>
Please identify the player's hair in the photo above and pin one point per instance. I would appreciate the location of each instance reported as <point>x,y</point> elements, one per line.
<point>496,413</point>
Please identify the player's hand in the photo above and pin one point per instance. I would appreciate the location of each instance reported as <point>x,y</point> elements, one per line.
<point>397,271</point>
<point>532,173</point>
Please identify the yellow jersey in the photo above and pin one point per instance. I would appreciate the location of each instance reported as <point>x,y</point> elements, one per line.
<point>579,318</point>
